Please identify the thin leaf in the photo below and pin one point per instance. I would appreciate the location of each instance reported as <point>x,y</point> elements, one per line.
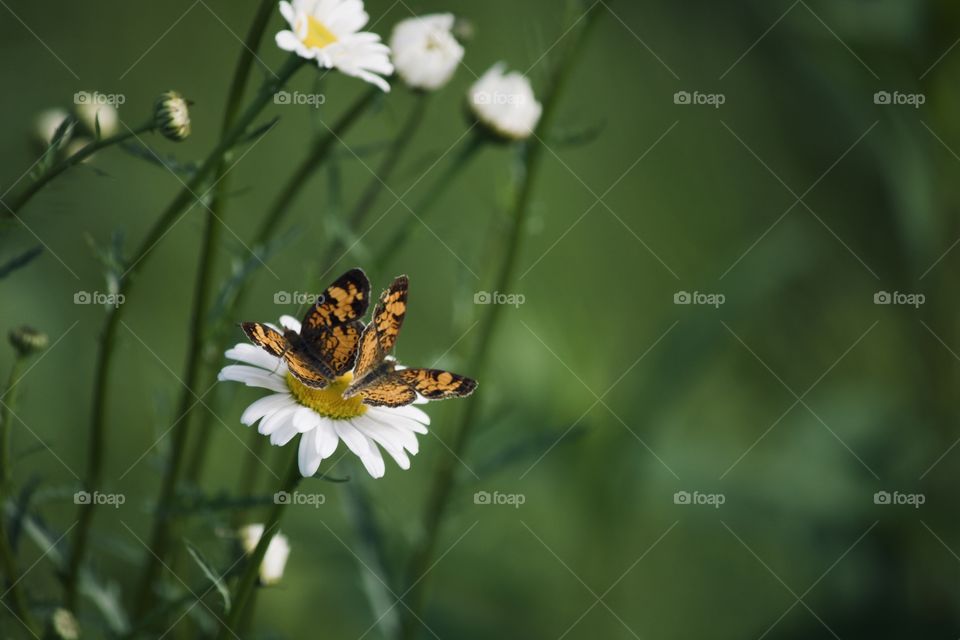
<point>372,559</point>
<point>211,575</point>
<point>20,261</point>
<point>167,161</point>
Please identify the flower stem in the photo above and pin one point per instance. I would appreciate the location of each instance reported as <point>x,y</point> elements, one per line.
<point>8,561</point>
<point>384,171</point>
<point>24,195</point>
<point>251,570</point>
<point>454,168</point>
<point>267,231</point>
<point>181,202</point>
<point>444,476</point>
<point>160,540</point>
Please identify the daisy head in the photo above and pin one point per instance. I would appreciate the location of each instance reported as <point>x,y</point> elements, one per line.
<point>505,104</point>
<point>425,52</point>
<point>274,560</point>
<point>328,31</point>
<point>322,417</point>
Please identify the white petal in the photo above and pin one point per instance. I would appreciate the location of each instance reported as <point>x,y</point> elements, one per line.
<point>252,377</point>
<point>287,12</point>
<point>288,41</point>
<point>362,447</point>
<point>326,439</point>
<point>289,322</point>
<point>305,419</point>
<point>285,433</point>
<point>307,457</point>
<point>384,438</point>
<point>265,405</point>
<point>277,419</point>
<point>404,437</point>
<point>249,354</point>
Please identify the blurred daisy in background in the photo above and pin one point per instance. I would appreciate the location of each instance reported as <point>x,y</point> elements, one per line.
<point>274,560</point>
<point>425,52</point>
<point>328,31</point>
<point>504,103</point>
<point>322,417</point>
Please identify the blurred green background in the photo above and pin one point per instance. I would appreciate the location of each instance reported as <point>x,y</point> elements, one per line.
<point>796,400</point>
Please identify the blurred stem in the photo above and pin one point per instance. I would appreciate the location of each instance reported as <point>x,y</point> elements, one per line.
<point>384,171</point>
<point>454,168</point>
<point>444,476</point>
<point>232,122</point>
<point>18,602</point>
<point>23,196</point>
<point>251,570</point>
<point>168,218</point>
<point>267,231</point>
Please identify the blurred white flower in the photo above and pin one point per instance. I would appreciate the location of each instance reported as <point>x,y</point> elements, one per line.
<point>88,113</point>
<point>328,31</point>
<point>505,103</point>
<point>274,560</point>
<point>322,417</point>
<point>46,124</point>
<point>425,53</point>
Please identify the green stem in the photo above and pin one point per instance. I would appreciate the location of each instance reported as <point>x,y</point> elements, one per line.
<point>268,230</point>
<point>8,561</point>
<point>454,168</point>
<point>161,536</point>
<point>383,173</point>
<point>251,570</point>
<point>167,219</point>
<point>23,196</point>
<point>444,476</point>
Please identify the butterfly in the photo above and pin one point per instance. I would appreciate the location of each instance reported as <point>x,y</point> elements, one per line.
<point>326,346</point>
<point>376,378</point>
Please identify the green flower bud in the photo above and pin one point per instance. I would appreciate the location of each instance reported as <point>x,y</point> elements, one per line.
<point>171,116</point>
<point>27,340</point>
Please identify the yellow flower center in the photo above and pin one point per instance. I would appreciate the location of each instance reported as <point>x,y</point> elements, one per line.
<point>317,35</point>
<point>329,401</point>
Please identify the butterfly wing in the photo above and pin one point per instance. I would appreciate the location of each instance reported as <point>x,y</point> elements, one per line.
<point>401,386</point>
<point>300,362</point>
<point>436,384</point>
<point>380,336</point>
<point>331,328</point>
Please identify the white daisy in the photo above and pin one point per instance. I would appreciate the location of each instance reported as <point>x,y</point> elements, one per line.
<point>505,103</point>
<point>274,560</point>
<point>425,52</point>
<point>46,124</point>
<point>328,31</point>
<point>322,417</point>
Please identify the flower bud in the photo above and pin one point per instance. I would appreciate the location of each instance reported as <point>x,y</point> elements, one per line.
<point>65,625</point>
<point>91,113</point>
<point>27,340</point>
<point>171,116</point>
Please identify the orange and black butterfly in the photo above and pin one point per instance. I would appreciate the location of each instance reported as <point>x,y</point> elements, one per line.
<point>376,378</point>
<point>327,343</point>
